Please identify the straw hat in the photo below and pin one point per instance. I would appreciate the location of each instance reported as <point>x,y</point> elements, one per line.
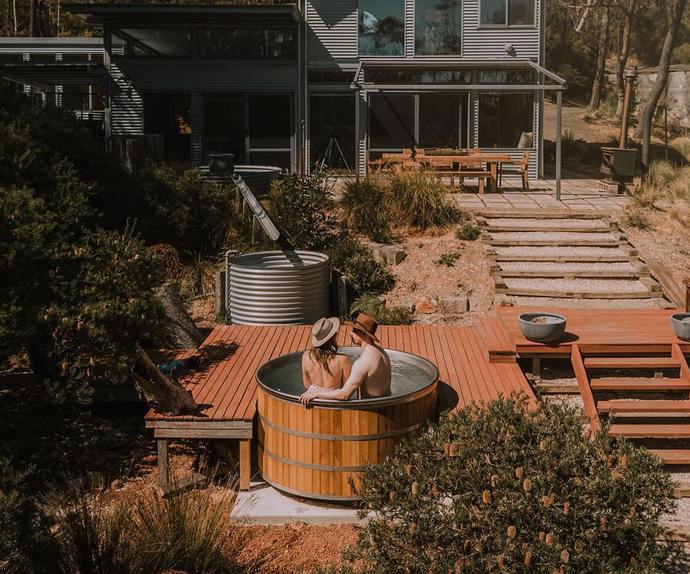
<point>323,330</point>
<point>365,324</point>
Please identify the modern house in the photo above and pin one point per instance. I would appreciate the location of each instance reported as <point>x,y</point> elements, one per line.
<point>329,82</point>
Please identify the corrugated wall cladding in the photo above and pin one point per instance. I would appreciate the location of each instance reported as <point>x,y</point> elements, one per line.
<point>332,30</point>
<point>333,33</point>
<point>126,106</point>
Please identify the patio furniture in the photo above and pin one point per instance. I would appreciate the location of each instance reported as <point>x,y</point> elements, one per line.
<point>520,169</point>
<point>483,166</point>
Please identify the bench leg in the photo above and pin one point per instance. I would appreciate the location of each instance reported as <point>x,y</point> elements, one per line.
<point>481,185</point>
<point>163,462</point>
<point>245,463</point>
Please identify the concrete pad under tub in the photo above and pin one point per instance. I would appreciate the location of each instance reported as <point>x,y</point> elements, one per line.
<point>266,505</point>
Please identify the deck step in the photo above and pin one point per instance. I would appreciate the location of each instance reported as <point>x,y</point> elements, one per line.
<point>672,456</point>
<point>638,406</point>
<point>650,430</point>
<point>636,384</point>
<point>631,363</point>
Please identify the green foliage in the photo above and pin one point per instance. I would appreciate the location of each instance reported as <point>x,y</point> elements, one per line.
<point>366,207</point>
<point>504,487</point>
<point>419,199</point>
<point>300,206</point>
<point>373,306</point>
<point>357,262</point>
<point>468,232</point>
<point>24,536</point>
<point>174,204</point>
<point>449,259</point>
<point>140,532</point>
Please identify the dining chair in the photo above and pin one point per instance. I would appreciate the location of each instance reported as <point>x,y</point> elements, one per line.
<point>519,168</point>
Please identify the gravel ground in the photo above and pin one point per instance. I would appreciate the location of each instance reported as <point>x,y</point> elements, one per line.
<point>556,224</point>
<point>546,266</point>
<point>419,275</point>
<point>591,285</point>
<point>575,251</point>
<point>551,236</point>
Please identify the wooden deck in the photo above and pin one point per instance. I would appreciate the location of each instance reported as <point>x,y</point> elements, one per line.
<point>593,330</point>
<point>226,390</point>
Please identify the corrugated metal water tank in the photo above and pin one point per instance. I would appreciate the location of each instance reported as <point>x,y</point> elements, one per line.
<point>258,178</point>
<point>278,288</point>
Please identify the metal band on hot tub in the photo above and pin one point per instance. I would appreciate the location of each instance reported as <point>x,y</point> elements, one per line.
<point>338,437</point>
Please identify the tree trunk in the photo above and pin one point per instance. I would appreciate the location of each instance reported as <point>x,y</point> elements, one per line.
<point>182,332</point>
<point>644,127</point>
<point>623,54</point>
<point>14,15</point>
<point>600,77</point>
<point>32,12</point>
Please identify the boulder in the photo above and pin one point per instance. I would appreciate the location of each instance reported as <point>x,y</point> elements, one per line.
<point>454,305</point>
<point>426,305</point>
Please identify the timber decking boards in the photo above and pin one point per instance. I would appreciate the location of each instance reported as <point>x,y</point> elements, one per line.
<point>639,384</point>
<point>643,406</point>
<point>672,456</point>
<point>668,431</point>
<point>225,384</point>
<point>631,363</point>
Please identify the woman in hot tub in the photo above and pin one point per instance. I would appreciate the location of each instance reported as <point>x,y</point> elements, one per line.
<point>323,368</point>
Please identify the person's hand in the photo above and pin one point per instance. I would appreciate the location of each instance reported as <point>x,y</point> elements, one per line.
<point>308,397</point>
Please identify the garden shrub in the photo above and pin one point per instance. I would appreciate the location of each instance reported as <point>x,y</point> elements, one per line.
<point>365,204</point>
<point>468,232</point>
<point>418,199</point>
<point>25,540</point>
<point>373,306</point>
<point>364,272</point>
<point>300,207</point>
<point>636,217</point>
<point>449,259</point>
<point>505,487</point>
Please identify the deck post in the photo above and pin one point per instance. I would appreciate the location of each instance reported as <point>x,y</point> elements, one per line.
<point>163,467</point>
<point>245,463</point>
<point>559,120</point>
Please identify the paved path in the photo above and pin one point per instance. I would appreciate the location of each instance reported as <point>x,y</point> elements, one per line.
<point>576,195</point>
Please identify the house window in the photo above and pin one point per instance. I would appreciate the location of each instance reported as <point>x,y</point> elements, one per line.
<point>225,125</point>
<point>381,27</point>
<point>247,43</point>
<point>175,42</point>
<point>442,120</point>
<point>270,130</point>
<point>332,131</point>
<point>437,27</point>
<point>391,122</point>
<point>506,120</point>
<point>507,13</point>
<point>169,114</point>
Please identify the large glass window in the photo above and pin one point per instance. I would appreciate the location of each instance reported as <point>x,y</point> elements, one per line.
<point>169,114</point>
<point>332,130</point>
<point>270,130</point>
<point>505,120</point>
<point>247,43</point>
<point>381,27</point>
<point>507,12</point>
<point>391,121</point>
<point>437,27</point>
<point>442,120</point>
<point>224,125</point>
<point>154,42</point>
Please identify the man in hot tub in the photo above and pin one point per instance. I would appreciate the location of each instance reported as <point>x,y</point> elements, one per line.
<point>371,372</point>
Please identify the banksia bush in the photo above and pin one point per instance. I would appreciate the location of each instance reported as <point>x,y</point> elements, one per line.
<point>522,491</point>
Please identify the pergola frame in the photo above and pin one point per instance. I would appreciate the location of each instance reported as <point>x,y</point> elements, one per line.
<point>363,87</point>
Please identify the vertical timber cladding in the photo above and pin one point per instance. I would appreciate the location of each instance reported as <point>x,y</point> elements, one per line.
<point>315,452</point>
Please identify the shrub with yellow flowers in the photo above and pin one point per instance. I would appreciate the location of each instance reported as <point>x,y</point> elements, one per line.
<point>510,487</point>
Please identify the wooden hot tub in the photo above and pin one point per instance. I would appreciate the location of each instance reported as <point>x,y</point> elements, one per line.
<point>313,452</point>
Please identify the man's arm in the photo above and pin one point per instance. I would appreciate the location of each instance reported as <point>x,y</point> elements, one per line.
<point>354,381</point>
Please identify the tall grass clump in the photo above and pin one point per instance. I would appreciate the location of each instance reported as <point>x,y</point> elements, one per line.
<point>373,306</point>
<point>140,532</point>
<point>682,146</point>
<point>418,199</point>
<point>365,206</point>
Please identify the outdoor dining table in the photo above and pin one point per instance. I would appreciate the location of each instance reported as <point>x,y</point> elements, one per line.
<point>492,160</point>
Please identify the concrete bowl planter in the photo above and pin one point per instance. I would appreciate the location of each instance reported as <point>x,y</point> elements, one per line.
<point>681,325</point>
<point>542,327</point>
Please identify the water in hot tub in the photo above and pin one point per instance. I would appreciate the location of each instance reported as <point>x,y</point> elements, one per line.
<point>407,375</point>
